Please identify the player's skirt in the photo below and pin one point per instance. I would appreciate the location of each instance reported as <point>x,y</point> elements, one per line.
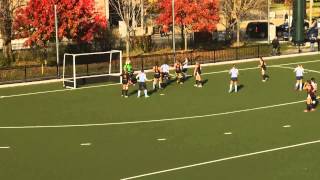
<point>156,75</point>
<point>299,77</point>
<point>142,85</point>
<point>125,82</point>
<point>234,79</point>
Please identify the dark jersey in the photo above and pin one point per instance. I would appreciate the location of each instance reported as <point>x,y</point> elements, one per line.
<point>178,69</point>
<point>125,79</point>
<point>198,70</point>
<point>156,72</point>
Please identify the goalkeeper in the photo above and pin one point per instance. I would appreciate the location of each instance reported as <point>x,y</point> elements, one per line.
<point>127,68</point>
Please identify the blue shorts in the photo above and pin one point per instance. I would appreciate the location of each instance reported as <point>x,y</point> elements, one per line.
<point>234,79</point>
<point>299,77</point>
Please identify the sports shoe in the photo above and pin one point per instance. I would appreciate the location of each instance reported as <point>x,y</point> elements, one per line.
<point>195,85</point>
<point>126,96</point>
<point>146,96</point>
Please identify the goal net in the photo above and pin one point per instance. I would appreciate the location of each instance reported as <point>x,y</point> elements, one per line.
<point>84,68</point>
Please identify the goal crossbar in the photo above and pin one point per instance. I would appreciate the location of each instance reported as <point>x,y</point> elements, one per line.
<point>74,77</point>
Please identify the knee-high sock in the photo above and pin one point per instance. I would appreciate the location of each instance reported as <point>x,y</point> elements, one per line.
<point>230,88</point>
<point>300,84</point>
<point>139,93</point>
<point>145,92</point>
<point>236,87</point>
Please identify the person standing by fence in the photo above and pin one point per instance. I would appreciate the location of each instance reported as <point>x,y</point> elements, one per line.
<point>275,47</point>
<point>313,40</point>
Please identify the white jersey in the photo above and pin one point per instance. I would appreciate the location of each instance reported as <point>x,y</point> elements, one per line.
<point>234,72</point>
<point>299,71</point>
<point>142,77</point>
<point>314,85</point>
<point>165,68</point>
<point>185,64</point>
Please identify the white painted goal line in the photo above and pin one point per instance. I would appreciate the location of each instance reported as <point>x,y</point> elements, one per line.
<point>152,120</point>
<point>106,85</point>
<point>5,147</point>
<point>223,159</point>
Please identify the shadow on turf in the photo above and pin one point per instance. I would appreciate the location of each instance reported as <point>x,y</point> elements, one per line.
<point>133,92</point>
<point>205,81</point>
<point>240,87</point>
<point>150,92</point>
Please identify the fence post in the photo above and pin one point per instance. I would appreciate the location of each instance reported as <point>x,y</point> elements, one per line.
<point>258,50</point>
<point>88,69</point>
<point>25,73</point>
<point>237,55</point>
<point>142,64</point>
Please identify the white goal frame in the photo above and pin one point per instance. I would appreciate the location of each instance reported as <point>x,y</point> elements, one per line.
<point>74,77</point>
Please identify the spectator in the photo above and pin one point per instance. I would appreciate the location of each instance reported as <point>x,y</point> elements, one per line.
<point>286,18</point>
<point>313,40</point>
<point>275,47</point>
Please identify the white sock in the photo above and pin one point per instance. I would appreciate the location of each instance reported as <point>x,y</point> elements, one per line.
<point>230,89</point>
<point>139,93</point>
<point>235,87</point>
<point>154,85</point>
<point>159,85</point>
<point>297,85</point>
<point>300,84</point>
<point>145,92</point>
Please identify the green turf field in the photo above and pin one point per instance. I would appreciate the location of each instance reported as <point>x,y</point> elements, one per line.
<point>189,133</point>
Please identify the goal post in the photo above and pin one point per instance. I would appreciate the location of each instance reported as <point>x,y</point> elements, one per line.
<point>84,66</point>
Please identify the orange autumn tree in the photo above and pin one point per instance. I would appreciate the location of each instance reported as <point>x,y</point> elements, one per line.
<point>78,20</point>
<point>190,16</point>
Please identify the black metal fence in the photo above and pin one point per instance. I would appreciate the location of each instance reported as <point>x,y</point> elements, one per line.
<point>36,72</point>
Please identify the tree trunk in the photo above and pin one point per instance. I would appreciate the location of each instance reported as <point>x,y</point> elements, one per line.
<point>6,31</point>
<point>182,36</point>
<point>7,51</point>
<point>185,39</point>
<point>238,32</point>
<point>128,45</point>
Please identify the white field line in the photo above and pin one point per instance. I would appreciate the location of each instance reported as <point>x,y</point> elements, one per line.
<point>106,85</point>
<point>224,159</point>
<point>154,120</point>
<point>59,90</point>
<point>303,62</point>
<point>307,70</point>
<point>5,147</point>
<point>85,144</point>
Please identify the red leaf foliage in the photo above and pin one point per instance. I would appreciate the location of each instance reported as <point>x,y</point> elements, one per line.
<point>77,20</point>
<point>198,15</point>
